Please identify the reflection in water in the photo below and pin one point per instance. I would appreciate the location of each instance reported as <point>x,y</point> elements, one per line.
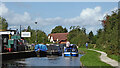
<point>46,61</point>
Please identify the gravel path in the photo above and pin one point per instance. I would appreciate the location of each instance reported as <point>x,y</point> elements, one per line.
<point>106,59</point>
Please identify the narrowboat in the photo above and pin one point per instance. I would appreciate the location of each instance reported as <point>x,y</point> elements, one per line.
<point>71,51</point>
<point>54,50</point>
<point>41,50</point>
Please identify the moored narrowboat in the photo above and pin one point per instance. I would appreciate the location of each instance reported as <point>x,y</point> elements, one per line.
<point>71,50</point>
<point>41,50</point>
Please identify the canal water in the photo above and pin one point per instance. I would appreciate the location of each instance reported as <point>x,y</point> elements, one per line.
<point>45,61</point>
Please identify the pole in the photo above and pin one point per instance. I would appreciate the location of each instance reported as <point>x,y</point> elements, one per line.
<point>1,44</point>
<point>20,30</point>
<point>36,33</point>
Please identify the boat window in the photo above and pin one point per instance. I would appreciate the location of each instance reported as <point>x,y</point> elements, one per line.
<point>71,50</point>
<point>68,50</point>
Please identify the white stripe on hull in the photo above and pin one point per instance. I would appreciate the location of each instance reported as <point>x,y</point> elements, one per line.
<point>69,53</point>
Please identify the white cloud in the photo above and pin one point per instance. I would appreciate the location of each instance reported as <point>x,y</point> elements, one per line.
<point>14,18</point>
<point>88,18</point>
<point>3,9</point>
<point>88,12</point>
<point>18,19</point>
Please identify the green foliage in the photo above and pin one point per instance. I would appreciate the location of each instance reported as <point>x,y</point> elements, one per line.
<point>107,38</point>
<point>91,37</point>
<point>65,30</point>
<point>77,36</point>
<point>3,24</point>
<point>59,29</point>
<point>41,36</point>
<point>117,58</point>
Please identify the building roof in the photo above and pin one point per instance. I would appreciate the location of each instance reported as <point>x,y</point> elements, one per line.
<point>59,36</point>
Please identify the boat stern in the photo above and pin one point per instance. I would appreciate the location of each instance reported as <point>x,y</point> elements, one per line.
<point>70,54</point>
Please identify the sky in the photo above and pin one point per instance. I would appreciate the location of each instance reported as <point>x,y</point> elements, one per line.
<point>51,14</point>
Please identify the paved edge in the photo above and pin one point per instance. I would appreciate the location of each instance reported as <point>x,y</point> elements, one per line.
<point>106,59</point>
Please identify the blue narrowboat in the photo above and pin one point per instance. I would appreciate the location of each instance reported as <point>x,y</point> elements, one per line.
<point>41,50</point>
<point>71,50</point>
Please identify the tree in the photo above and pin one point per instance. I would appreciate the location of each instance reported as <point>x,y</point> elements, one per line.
<point>77,36</point>
<point>84,30</point>
<point>59,29</point>
<point>71,28</point>
<point>3,24</point>
<point>65,30</point>
<point>91,37</point>
<point>107,38</point>
<point>41,36</point>
<point>29,28</point>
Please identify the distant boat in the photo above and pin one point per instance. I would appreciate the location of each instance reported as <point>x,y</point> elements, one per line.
<point>71,50</point>
<point>41,50</point>
<point>54,50</point>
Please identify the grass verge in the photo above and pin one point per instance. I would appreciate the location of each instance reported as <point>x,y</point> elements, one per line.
<point>112,56</point>
<point>91,59</point>
<point>115,57</point>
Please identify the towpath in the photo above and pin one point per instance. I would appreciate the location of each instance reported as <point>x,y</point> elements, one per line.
<point>106,59</point>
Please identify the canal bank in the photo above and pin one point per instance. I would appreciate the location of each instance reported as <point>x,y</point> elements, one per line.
<point>24,54</point>
<point>17,55</point>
